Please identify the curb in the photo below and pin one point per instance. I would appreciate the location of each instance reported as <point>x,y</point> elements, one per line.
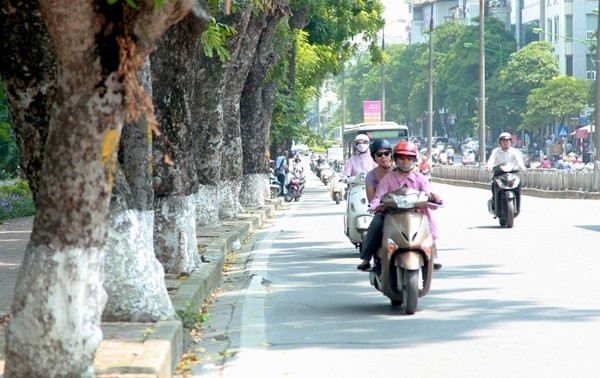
<point>152,350</point>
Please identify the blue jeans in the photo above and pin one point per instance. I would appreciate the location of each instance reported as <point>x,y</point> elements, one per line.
<point>281,179</point>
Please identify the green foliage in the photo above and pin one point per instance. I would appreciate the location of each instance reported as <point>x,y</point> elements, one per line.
<point>191,317</point>
<point>15,200</point>
<point>9,154</point>
<point>558,100</point>
<point>214,37</point>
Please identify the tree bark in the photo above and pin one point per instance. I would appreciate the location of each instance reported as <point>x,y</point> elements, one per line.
<point>133,277</point>
<point>59,298</point>
<point>257,103</point>
<point>173,70</point>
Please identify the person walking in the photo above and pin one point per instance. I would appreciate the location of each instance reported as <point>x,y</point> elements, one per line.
<point>281,166</point>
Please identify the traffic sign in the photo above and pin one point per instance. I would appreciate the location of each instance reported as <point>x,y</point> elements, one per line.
<point>562,131</point>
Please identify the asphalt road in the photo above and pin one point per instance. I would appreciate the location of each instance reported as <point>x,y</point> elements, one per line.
<point>520,302</point>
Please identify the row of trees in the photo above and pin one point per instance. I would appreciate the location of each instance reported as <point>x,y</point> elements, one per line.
<point>138,121</point>
<point>524,91</point>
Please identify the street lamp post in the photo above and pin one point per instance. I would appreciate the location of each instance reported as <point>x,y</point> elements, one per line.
<point>482,156</point>
<point>430,85</point>
<point>382,75</point>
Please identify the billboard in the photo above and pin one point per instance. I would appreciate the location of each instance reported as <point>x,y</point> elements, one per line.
<point>372,111</point>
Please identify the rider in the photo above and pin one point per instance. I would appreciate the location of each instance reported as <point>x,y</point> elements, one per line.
<point>381,151</point>
<point>405,155</point>
<point>361,162</point>
<point>504,154</point>
<point>424,165</point>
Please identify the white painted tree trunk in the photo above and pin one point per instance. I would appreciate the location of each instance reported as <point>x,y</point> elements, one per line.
<point>207,206</point>
<point>175,233</point>
<point>229,204</point>
<point>134,278</point>
<point>52,317</point>
<point>254,190</point>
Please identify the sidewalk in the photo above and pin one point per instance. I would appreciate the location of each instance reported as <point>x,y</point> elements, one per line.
<point>140,349</point>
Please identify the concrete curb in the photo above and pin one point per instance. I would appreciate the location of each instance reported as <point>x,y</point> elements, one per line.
<point>154,349</point>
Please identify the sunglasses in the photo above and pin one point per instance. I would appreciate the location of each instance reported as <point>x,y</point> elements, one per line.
<point>403,157</point>
<point>384,153</point>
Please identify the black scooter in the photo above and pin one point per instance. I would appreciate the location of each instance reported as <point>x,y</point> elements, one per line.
<point>506,188</point>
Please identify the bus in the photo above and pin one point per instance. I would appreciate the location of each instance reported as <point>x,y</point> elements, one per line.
<point>391,131</point>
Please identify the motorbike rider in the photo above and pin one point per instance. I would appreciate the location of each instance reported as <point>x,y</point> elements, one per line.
<point>424,165</point>
<point>381,151</point>
<point>362,161</point>
<point>504,154</point>
<point>403,175</point>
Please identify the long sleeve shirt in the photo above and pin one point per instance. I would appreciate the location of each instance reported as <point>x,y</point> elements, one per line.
<point>358,164</point>
<point>512,155</point>
<point>396,180</point>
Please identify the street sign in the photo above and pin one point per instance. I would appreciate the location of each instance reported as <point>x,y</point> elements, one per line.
<point>562,131</point>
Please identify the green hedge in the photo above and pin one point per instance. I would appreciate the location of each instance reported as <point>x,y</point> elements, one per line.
<point>15,200</point>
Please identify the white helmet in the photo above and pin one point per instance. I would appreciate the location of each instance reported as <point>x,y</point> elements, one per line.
<point>361,137</point>
<point>504,136</point>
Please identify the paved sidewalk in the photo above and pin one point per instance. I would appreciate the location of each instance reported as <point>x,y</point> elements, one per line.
<point>140,349</point>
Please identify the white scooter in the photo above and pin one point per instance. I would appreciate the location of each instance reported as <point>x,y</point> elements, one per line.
<point>357,218</point>
<point>337,188</point>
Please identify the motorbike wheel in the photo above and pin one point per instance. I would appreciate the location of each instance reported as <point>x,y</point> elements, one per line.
<point>336,198</point>
<point>296,198</point>
<point>325,181</point>
<point>395,303</point>
<point>411,291</point>
<point>510,213</point>
<point>289,195</point>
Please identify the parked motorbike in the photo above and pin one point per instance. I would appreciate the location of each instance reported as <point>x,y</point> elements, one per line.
<point>337,188</point>
<point>505,203</point>
<point>274,185</point>
<point>357,217</point>
<point>295,187</point>
<point>404,263</point>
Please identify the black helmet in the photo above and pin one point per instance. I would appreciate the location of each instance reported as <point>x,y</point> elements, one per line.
<point>380,144</point>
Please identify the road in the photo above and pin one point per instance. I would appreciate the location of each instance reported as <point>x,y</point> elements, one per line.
<point>520,302</point>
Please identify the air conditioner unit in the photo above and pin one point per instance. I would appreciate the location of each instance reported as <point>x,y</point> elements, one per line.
<point>590,35</point>
<point>590,75</point>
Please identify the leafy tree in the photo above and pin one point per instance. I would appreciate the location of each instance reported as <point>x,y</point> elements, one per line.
<point>9,154</point>
<point>554,103</point>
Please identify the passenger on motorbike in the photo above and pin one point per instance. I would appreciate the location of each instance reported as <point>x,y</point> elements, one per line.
<point>504,154</point>
<point>362,161</point>
<point>381,151</point>
<point>424,165</point>
<point>405,155</point>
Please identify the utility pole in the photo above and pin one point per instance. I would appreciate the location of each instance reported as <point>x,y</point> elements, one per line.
<point>596,134</point>
<point>382,74</point>
<point>430,86</point>
<point>482,156</point>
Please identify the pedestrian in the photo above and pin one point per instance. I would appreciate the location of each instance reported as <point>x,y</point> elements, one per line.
<point>281,166</point>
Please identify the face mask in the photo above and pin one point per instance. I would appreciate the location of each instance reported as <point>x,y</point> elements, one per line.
<point>362,147</point>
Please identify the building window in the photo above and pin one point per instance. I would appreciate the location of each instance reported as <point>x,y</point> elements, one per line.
<point>569,26</point>
<point>569,67</point>
<point>556,29</point>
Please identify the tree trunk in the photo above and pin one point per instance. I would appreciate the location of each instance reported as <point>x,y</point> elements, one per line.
<point>55,325</point>
<point>242,48</point>
<point>173,69</point>
<point>256,111</point>
<point>133,277</point>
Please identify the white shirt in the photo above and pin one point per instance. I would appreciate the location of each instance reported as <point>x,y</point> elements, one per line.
<point>512,155</point>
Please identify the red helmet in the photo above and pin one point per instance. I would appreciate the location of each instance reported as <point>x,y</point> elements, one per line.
<point>406,148</point>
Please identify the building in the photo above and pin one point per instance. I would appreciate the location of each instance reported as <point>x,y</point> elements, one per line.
<point>570,26</point>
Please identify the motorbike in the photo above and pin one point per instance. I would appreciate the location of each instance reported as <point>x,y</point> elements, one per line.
<point>404,262</point>
<point>295,187</point>
<point>337,188</point>
<point>357,217</point>
<point>505,203</point>
<point>274,185</point>
<point>325,173</point>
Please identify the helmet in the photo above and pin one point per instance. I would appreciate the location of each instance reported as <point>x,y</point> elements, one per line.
<point>361,137</point>
<point>380,144</point>
<point>406,148</point>
<point>504,136</point>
